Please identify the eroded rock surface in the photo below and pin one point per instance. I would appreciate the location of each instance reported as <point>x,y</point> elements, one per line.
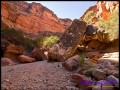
<point>68,43</point>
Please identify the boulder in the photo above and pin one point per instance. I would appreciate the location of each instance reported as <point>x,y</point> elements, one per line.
<point>98,74</point>
<point>108,65</point>
<point>72,63</point>
<point>26,59</point>
<point>13,51</point>
<point>68,43</point>
<point>113,80</point>
<point>82,81</point>
<point>6,61</point>
<point>38,54</point>
<point>93,55</point>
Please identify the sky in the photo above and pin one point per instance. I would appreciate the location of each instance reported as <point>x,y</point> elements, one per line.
<point>67,9</point>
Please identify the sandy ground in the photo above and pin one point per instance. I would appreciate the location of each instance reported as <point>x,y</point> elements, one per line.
<point>36,76</point>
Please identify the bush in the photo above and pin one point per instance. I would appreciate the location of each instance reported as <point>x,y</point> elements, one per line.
<point>88,16</point>
<point>82,59</point>
<point>47,41</point>
<point>17,37</point>
<point>112,25</point>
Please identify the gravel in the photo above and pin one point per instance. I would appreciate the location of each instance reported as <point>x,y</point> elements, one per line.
<point>40,75</point>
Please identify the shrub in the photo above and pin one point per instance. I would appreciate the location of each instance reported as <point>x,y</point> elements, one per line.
<point>47,41</point>
<point>111,26</point>
<point>17,37</point>
<point>88,16</point>
<point>82,59</point>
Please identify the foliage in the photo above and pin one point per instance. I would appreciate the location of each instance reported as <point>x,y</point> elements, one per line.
<point>17,37</point>
<point>47,41</point>
<point>82,59</point>
<point>88,16</point>
<point>111,26</point>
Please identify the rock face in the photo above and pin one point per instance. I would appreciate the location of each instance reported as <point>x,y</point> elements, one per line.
<point>68,43</point>
<point>102,9</point>
<point>31,18</point>
<point>105,8</point>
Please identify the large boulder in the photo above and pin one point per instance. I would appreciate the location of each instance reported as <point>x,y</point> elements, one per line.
<point>72,63</point>
<point>13,51</point>
<point>68,43</point>
<point>26,59</point>
<point>38,54</point>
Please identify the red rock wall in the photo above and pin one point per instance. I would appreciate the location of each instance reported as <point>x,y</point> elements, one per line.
<point>103,9</point>
<point>31,18</point>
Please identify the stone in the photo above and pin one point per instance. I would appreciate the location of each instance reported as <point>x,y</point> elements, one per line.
<point>13,51</point>
<point>103,85</point>
<point>26,59</point>
<point>113,80</point>
<point>72,63</point>
<point>82,81</point>
<point>67,45</point>
<point>108,65</point>
<point>93,55</point>
<point>88,72</point>
<point>98,72</point>
<point>6,61</point>
<point>38,54</point>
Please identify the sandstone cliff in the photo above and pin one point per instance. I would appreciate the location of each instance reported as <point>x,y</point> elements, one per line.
<point>31,18</point>
<point>102,10</point>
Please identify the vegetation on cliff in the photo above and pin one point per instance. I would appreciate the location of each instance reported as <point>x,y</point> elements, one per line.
<point>18,37</point>
<point>111,26</point>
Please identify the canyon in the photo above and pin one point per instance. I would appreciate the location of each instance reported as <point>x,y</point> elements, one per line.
<point>31,17</point>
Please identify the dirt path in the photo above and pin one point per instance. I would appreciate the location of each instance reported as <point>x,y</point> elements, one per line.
<point>36,76</point>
